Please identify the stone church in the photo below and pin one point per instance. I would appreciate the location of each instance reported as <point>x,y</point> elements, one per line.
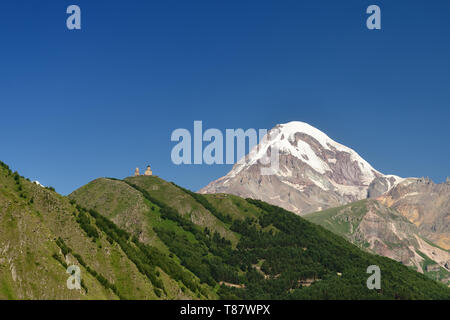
<point>147,172</point>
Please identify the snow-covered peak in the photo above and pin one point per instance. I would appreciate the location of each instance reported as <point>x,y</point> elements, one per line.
<point>313,172</point>
<point>291,128</point>
<point>283,138</point>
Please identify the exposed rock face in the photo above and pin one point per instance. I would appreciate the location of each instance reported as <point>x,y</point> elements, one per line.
<point>314,172</point>
<point>382,230</point>
<point>426,204</point>
<point>381,185</point>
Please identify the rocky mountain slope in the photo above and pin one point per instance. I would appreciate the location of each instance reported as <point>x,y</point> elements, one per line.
<point>382,230</point>
<point>424,203</point>
<point>314,172</point>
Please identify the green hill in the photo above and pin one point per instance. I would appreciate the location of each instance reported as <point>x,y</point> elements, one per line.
<point>42,233</point>
<point>145,238</point>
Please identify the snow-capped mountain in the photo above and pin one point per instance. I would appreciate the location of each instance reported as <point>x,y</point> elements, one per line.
<point>314,172</point>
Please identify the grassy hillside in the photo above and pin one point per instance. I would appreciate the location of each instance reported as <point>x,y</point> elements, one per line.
<point>374,227</point>
<point>145,238</point>
<point>241,248</point>
<point>42,233</point>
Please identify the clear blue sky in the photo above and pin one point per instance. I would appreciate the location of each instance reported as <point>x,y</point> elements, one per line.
<point>77,105</point>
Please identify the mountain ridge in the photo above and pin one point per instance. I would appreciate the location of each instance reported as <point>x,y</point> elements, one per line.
<point>377,228</point>
<point>314,173</point>
<point>424,203</point>
<point>319,175</point>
